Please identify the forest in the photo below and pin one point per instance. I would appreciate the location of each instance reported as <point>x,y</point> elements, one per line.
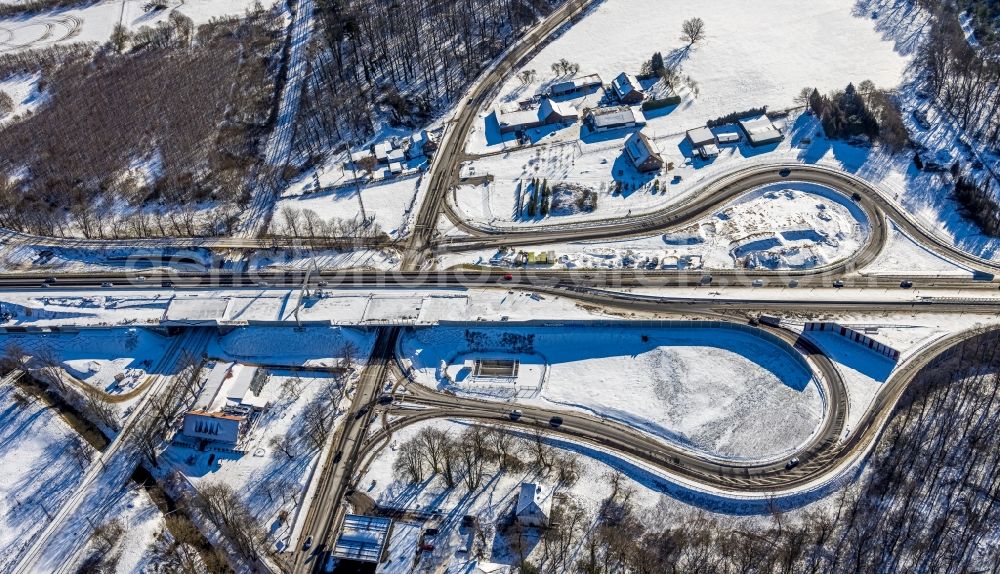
<point>139,132</point>
<point>399,62</point>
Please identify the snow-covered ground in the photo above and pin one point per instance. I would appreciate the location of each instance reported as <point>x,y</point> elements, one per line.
<point>754,54</point>
<point>94,23</point>
<point>721,392</point>
<point>304,260</point>
<point>23,91</point>
<point>903,256</point>
<point>269,480</point>
<point>116,362</point>
<point>781,226</point>
<point>18,255</point>
<point>40,470</point>
<point>312,346</point>
<point>391,204</point>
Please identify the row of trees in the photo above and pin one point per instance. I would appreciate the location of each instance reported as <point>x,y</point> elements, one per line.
<point>306,223</point>
<point>466,457</point>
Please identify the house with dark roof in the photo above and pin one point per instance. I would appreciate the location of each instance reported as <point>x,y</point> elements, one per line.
<point>627,89</point>
<point>643,152</point>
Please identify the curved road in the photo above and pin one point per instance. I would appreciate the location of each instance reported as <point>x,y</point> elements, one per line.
<point>822,459</point>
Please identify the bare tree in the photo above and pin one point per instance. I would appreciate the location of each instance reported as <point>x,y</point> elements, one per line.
<point>693,30</point>
<point>222,505</point>
<point>284,444</point>
<point>410,461</point>
<point>348,354</point>
<point>432,442</point>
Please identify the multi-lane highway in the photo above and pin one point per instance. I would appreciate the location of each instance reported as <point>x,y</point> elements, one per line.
<point>826,454</point>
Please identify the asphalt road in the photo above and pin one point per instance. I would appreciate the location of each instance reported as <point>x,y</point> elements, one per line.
<point>451,153</point>
<point>821,460</point>
<point>322,521</point>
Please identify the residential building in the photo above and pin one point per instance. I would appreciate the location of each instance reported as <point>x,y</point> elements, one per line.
<point>534,505</point>
<point>700,137</point>
<point>547,113</point>
<point>214,426</point>
<point>627,89</point>
<point>760,131</point>
<point>606,119</point>
<point>643,152</point>
<point>576,85</point>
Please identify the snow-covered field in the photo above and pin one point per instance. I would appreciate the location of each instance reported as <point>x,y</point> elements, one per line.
<point>95,22</point>
<point>304,260</point>
<point>390,204</point>
<point>781,226</point>
<point>754,54</point>
<point>39,469</point>
<point>20,256</point>
<point>903,256</point>
<point>313,346</point>
<point>721,392</point>
<point>115,362</point>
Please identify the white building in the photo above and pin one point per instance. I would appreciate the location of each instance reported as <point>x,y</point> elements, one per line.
<point>534,505</point>
<point>606,119</point>
<point>217,427</point>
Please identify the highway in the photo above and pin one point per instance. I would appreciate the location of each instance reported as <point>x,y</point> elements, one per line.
<point>828,452</point>
<point>322,521</point>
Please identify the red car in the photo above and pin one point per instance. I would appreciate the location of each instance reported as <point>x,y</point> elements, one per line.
<point>507,276</point>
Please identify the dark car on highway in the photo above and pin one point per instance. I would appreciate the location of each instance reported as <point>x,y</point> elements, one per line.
<point>555,421</point>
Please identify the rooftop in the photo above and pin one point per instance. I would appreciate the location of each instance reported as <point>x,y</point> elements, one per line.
<point>618,116</point>
<point>362,538</point>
